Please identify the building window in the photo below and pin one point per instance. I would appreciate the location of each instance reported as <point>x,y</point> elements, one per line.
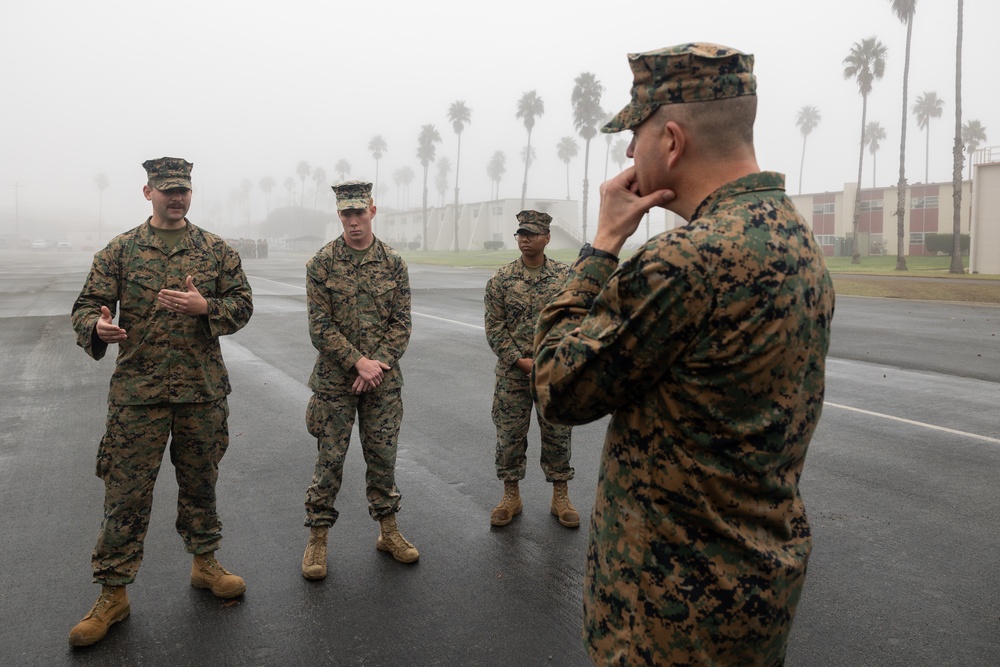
<point>924,202</point>
<point>917,238</point>
<point>871,205</point>
<point>825,239</point>
<point>823,208</point>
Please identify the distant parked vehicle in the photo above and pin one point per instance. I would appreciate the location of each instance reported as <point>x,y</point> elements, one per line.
<point>64,245</point>
<point>38,244</point>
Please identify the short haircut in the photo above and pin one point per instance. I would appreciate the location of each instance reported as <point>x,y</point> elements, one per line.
<point>720,127</point>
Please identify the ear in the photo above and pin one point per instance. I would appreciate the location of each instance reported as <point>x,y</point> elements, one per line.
<point>147,192</point>
<point>372,208</point>
<point>675,141</point>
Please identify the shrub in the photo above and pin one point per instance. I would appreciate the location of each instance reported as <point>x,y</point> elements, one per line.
<point>943,242</point>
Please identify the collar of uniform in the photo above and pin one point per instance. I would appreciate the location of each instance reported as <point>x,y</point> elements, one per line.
<point>342,251</point>
<point>543,270</point>
<point>765,180</point>
<point>148,237</point>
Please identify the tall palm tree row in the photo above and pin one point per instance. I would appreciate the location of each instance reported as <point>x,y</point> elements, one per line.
<point>266,184</point>
<point>904,11</point>
<point>495,169</point>
<point>343,169</point>
<point>441,180</point>
<point>425,153</point>
<point>807,120</point>
<point>957,152</point>
<point>874,136</point>
<point>926,107</point>
<point>865,64</point>
<point>303,170</point>
<point>587,113</point>
<point>567,149</point>
<point>529,108</point>
<point>459,115</point>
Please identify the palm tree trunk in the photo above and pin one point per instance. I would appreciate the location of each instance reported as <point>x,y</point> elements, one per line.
<point>802,162</point>
<point>901,186</point>
<point>874,169</point>
<point>458,163</point>
<point>527,160</point>
<point>856,253</point>
<point>567,180</point>
<point>586,186</point>
<point>958,151</point>
<point>423,241</point>
<point>927,153</point>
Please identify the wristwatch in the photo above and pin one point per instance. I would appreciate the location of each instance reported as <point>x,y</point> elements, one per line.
<point>590,251</point>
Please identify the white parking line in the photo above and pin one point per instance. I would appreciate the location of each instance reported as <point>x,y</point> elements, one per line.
<point>442,319</point>
<point>911,422</point>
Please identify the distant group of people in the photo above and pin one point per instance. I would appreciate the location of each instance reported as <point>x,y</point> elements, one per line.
<point>707,347</point>
<point>249,248</point>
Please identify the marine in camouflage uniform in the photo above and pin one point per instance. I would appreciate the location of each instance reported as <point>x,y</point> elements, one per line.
<point>514,297</point>
<point>708,348</point>
<point>178,288</point>
<point>358,293</point>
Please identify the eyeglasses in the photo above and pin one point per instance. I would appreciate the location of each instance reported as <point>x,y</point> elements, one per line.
<point>527,236</point>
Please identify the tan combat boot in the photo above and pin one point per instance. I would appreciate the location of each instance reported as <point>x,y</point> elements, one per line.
<point>112,606</point>
<point>390,540</point>
<point>206,572</point>
<point>314,560</point>
<point>509,506</point>
<point>562,507</point>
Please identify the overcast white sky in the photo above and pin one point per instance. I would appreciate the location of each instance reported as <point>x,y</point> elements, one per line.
<point>249,89</point>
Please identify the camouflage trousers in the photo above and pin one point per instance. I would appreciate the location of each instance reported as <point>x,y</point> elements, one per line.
<point>128,460</point>
<point>512,406</point>
<point>330,418</point>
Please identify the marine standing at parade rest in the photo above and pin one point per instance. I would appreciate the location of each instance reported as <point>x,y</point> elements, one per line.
<point>358,293</point>
<point>177,289</point>
<point>708,349</point>
<point>514,297</point>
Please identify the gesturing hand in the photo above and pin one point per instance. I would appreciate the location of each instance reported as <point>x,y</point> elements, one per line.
<point>107,331</point>
<point>190,302</point>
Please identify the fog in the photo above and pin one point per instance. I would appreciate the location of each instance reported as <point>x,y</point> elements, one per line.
<point>247,90</point>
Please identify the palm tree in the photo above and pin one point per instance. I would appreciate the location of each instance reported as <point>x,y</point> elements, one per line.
<point>956,172</point>
<point>529,107</point>
<point>607,138</point>
<point>441,180</point>
<point>904,11</point>
<point>397,178</point>
<point>290,186</point>
<point>807,120</point>
<point>865,64</point>
<point>618,153</point>
<point>319,178</point>
<point>425,153</point>
<point>927,106</point>
<point>459,115</point>
<point>874,135</point>
<point>587,113</point>
<point>343,169</point>
<point>101,181</point>
<point>267,184</point>
<point>377,147</point>
<point>528,155</point>
<point>567,149</point>
<point>973,136</point>
<point>495,169</point>
<point>303,171</point>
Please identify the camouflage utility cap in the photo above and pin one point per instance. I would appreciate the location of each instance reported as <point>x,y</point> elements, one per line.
<point>535,222</point>
<point>696,72</point>
<point>353,194</point>
<point>168,172</point>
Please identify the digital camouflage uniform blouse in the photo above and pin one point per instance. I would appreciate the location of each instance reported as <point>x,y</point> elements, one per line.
<point>356,310</point>
<point>168,357</point>
<point>708,347</point>
<point>513,299</point>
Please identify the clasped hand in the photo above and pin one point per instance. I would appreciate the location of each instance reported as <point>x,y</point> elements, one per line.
<point>370,374</point>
